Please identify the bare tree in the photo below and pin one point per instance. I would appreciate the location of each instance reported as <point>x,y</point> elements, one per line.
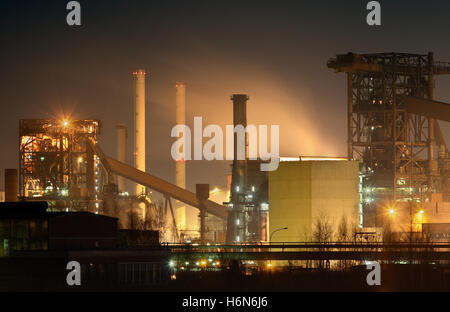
<point>342,234</point>
<point>322,232</point>
<point>323,229</point>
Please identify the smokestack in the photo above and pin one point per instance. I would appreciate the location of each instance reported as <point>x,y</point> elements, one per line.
<point>139,124</point>
<point>11,185</point>
<point>182,215</point>
<point>239,118</point>
<point>121,153</point>
<point>180,117</point>
<point>239,173</point>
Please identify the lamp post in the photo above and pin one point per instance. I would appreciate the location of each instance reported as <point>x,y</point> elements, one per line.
<point>277,230</point>
<point>270,242</point>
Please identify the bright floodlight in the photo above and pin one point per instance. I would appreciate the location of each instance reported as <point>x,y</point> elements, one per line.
<point>65,123</point>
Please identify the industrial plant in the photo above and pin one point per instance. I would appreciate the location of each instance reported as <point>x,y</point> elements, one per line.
<point>62,163</point>
<point>393,186</point>
<point>280,188</point>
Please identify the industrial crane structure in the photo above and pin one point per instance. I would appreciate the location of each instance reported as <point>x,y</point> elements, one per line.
<point>393,129</point>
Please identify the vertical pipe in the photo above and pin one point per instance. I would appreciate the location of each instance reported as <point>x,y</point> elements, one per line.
<point>121,153</point>
<point>139,124</point>
<point>11,185</point>
<point>350,115</point>
<point>432,163</point>
<point>180,166</point>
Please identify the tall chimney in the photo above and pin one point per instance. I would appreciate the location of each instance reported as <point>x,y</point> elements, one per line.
<point>121,153</point>
<point>240,118</point>
<point>139,124</point>
<point>180,119</point>
<point>11,185</point>
<point>180,165</point>
<point>239,174</point>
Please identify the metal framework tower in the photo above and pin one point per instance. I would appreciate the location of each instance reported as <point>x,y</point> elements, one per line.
<point>396,146</point>
<point>57,163</point>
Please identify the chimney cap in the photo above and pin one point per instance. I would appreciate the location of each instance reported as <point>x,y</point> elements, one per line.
<point>180,84</point>
<point>237,97</point>
<point>139,71</point>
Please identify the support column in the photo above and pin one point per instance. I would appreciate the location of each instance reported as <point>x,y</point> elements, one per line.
<point>121,153</point>
<point>350,115</point>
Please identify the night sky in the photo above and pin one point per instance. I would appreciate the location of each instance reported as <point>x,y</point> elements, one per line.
<point>275,51</point>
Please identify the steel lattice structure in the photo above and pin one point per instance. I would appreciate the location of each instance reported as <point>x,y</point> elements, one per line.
<point>396,147</point>
<point>58,165</point>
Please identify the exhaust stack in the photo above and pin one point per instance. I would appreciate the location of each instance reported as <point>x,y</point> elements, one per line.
<point>236,230</point>
<point>180,117</point>
<point>139,132</point>
<point>139,124</point>
<point>185,218</point>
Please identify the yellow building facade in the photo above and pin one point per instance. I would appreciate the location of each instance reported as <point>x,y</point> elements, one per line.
<point>304,194</point>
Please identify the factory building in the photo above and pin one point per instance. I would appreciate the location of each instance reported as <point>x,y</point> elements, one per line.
<point>304,194</point>
<point>36,245</point>
<point>27,226</point>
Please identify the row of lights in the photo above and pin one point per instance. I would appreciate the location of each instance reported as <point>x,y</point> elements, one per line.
<point>392,212</point>
<point>238,188</point>
<point>200,263</point>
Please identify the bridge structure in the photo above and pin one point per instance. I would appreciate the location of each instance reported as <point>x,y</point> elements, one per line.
<point>397,252</point>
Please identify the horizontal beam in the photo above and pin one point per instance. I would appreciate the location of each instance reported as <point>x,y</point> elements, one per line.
<point>424,107</point>
<point>164,187</point>
<point>307,245</point>
<point>317,255</point>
